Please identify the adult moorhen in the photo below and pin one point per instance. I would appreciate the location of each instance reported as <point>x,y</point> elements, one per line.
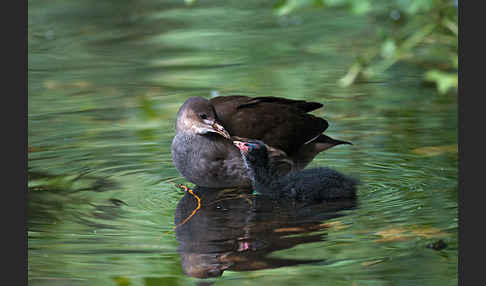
<point>309,185</point>
<point>203,154</point>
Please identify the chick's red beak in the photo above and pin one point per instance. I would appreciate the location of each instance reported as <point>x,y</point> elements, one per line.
<point>242,146</point>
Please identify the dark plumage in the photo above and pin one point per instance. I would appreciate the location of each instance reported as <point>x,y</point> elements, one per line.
<point>203,154</point>
<point>316,184</point>
<point>225,229</point>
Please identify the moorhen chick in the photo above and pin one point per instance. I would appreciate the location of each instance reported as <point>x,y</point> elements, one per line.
<point>309,185</point>
<point>202,153</point>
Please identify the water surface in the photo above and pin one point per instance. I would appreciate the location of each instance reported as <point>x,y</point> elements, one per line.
<point>105,80</point>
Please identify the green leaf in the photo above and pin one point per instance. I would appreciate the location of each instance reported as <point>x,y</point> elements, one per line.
<point>388,48</point>
<point>444,81</point>
<point>291,5</point>
<point>361,7</point>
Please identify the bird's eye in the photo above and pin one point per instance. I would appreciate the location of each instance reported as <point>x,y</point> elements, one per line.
<point>247,145</point>
<point>203,115</point>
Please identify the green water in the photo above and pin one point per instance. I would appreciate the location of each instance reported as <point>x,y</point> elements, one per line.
<point>105,80</point>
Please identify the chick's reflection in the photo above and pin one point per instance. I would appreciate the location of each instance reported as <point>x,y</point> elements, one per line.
<point>230,229</point>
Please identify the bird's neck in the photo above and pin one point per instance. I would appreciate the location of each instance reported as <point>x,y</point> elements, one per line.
<point>261,175</point>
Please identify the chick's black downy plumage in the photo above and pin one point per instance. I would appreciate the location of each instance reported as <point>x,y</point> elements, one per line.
<point>316,184</point>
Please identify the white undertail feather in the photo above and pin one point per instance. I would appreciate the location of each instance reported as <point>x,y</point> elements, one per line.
<point>312,139</point>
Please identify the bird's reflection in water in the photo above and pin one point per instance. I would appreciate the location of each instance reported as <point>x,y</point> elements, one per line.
<point>231,229</point>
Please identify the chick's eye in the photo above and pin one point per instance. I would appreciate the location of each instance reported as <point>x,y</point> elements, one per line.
<point>203,115</point>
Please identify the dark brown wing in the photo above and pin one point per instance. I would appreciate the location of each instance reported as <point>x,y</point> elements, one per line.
<point>279,122</point>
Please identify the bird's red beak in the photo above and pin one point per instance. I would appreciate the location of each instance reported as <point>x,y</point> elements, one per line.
<point>242,146</point>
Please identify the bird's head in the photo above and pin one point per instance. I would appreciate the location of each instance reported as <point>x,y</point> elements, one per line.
<point>197,116</point>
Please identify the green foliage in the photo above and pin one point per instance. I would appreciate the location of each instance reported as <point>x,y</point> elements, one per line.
<point>422,32</point>
<point>444,81</point>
